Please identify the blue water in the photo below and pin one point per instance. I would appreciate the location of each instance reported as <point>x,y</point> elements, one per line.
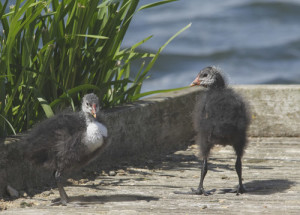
<point>253,41</point>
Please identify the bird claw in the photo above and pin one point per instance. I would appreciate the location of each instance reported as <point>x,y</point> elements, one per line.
<point>57,202</point>
<point>240,190</point>
<point>200,191</point>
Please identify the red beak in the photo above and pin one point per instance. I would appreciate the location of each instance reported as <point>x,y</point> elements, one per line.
<point>196,81</point>
<point>94,110</point>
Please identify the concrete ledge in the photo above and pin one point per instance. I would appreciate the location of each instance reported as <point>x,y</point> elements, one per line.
<point>275,109</point>
<point>162,123</point>
<point>156,124</point>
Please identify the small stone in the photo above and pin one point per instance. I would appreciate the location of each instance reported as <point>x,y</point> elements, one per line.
<point>72,181</point>
<point>47,193</point>
<point>112,173</point>
<point>121,172</point>
<point>204,207</point>
<point>103,173</point>
<point>12,192</point>
<point>90,183</point>
<point>25,204</point>
<point>23,193</point>
<point>83,181</point>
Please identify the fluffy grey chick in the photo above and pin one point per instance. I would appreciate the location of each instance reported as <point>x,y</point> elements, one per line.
<point>67,141</point>
<point>220,117</point>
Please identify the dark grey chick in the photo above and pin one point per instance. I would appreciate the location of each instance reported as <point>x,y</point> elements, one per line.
<point>67,141</point>
<point>220,117</point>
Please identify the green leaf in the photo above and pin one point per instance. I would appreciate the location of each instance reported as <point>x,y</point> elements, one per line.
<point>91,36</point>
<point>10,125</point>
<point>46,107</point>
<point>73,91</point>
<point>141,42</point>
<point>156,91</point>
<point>155,4</point>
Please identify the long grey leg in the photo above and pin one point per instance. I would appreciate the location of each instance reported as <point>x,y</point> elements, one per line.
<point>238,168</point>
<point>63,195</point>
<point>200,189</point>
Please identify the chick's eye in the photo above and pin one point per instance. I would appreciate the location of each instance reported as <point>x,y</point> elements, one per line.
<point>87,104</point>
<point>204,75</point>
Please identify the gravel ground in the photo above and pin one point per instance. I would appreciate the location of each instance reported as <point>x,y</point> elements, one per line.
<point>271,173</point>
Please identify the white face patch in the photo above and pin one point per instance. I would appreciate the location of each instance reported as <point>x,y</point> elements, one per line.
<point>93,138</point>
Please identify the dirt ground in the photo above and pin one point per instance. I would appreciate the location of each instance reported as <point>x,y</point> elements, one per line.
<point>271,174</point>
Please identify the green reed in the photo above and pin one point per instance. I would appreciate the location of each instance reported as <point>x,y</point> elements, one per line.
<point>54,51</point>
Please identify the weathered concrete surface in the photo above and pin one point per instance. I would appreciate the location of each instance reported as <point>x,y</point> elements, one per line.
<point>162,123</point>
<point>275,109</point>
<point>156,124</point>
<point>271,173</point>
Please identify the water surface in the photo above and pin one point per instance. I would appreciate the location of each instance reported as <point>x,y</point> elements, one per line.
<point>253,41</point>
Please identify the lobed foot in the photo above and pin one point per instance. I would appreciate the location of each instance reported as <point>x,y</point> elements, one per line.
<point>200,191</point>
<point>196,192</point>
<point>58,201</point>
<point>239,190</point>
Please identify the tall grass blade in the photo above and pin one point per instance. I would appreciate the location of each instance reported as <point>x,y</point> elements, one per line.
<point>138,96</point>
<point>10,125</point>
<point>53,52</point>
<point>155,4</point>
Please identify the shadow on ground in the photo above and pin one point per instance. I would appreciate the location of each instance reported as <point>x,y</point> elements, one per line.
<point>84,200</point>
<point>268,187</point>
<point>256,187</point>
<point>264,187</point>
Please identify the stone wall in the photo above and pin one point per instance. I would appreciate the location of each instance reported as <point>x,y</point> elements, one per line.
<point>275,109</point>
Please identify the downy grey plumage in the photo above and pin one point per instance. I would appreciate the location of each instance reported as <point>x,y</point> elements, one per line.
<point>66,141</point>
<point>221,117</point>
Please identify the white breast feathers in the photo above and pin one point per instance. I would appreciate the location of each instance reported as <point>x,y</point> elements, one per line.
<point>93,138</point>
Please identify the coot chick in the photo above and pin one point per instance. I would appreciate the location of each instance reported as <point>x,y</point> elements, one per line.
<point>220,117</point>
<point>67,141</point>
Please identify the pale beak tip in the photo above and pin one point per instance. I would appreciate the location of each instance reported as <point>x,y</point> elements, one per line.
<point>195,82</point>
